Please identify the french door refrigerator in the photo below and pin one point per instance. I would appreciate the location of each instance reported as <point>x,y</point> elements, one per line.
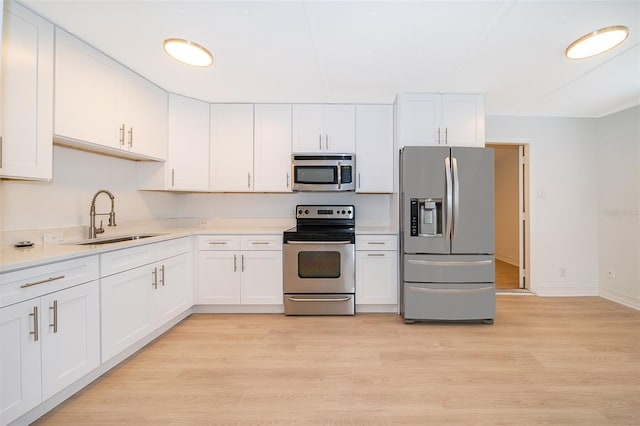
<point>447,234</point>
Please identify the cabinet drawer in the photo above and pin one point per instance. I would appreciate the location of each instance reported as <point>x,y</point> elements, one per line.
<point>172,248</point>
<point>34,282</point>
<point>377,242</point>
<point>125,259</point>
<point>261,242</point>
<point>218,242</point>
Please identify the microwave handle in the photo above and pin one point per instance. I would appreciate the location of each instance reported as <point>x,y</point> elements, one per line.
<point>339,175</point>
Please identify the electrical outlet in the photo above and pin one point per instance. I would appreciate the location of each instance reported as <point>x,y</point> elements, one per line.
<point>563,272</point>
<point>611,273</point>
<point>52,238</point>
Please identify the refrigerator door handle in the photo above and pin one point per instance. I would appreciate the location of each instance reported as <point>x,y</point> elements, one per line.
<point>456,197</point>
<point>447,170</point>
<point>450,262</point>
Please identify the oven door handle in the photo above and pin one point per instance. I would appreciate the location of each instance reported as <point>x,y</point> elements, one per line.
<point>298,299</point>
<point>318,242</point>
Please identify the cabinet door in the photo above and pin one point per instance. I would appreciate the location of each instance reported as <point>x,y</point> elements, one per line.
<point>377,277</point>
<point>188,155</point>
<point>272,148</point>
<point>174,294</point>
<point>20,367</point>
<point>218,279</point>
<point>374,148</point>
<point>142,109</point>
<point>463,120</point>
<point>419,119</point>
<point>26,95</point>
<point>231,147</point>
<point>340,128</point>
<point>261,277</point>
<point>308,128</point>
<point>86,83</point>
<point>70,329</point>
<point>127,313</point>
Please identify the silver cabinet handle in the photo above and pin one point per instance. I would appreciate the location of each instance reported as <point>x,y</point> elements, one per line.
<point>34,314</point>
<point>162,275</point>
<point>375,254</point>
<point>242,262</point>
<point>122,135</point>
<point>255,243</point>
<point>235,263</point>
<point>320,142</point>
<point>326,143</point>
<point>55,316</point>
<point>287,179</point>
<point>359,180</point>
<point>438,135</point>
<point>249,180</point>
<point>130,137</point>
<point>217,243</point>
<point>48,280</point>
<point>376,243</point>
<point>173,177</point>
<point>446,136</point>
<point>154,276</point>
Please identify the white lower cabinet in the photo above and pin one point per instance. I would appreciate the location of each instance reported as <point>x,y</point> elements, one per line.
<point>376,271</point>
<point>239,270</point>
<point>137,301</point>
<point>49,341</point>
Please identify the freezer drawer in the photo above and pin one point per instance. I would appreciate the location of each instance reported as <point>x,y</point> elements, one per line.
<point>442,301</point>
<point>424,268</point>
<point>319,304</point>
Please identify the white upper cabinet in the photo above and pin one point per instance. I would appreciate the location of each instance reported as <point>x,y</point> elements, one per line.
<point>102,106</point>
<point>231,147</point>
<point>26,95</point>
<point>374,148</point>
<point>324,128</point>
<point>272,148</point>
<point>188,158</point>
<point>433,119</point>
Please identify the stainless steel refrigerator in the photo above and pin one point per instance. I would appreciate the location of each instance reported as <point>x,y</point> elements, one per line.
<point>447,234</point>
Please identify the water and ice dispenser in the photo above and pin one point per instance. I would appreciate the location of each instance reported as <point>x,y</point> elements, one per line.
<point>426,217</point>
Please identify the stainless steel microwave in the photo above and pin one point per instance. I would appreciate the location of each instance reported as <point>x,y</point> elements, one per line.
<point>323,172</point>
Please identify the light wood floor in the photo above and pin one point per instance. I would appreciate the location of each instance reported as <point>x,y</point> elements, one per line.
<point>547,361</point>
<point>506,276</point>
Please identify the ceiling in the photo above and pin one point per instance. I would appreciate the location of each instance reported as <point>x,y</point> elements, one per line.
<point>368,51</point>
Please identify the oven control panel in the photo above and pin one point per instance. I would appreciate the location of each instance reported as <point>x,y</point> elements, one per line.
<point>325,212</point>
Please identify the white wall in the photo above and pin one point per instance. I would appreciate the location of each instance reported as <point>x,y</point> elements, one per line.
<point>618,172</point>
<point>506,168</point>
<point>65,201</point>
<point>370,208</point>
<point>563,185</point>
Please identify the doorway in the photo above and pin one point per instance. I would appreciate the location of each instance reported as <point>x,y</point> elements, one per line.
<point>511,171</point>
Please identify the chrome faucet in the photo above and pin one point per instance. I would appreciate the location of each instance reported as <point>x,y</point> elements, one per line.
<point>92,214</point>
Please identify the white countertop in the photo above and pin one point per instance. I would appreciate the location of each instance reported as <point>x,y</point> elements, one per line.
<point>14,259</point>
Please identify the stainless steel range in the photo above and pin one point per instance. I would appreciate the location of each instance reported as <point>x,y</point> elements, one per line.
<point>319,261</point>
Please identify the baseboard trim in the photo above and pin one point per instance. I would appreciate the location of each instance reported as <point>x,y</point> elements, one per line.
<point>623,299</point>
<point>565,290</point>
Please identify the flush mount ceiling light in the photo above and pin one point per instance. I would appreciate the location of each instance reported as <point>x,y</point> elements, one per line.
<point>597,42</point>
<point>188,52</point>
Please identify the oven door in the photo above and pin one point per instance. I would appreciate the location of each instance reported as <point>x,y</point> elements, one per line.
<point>312,267</point>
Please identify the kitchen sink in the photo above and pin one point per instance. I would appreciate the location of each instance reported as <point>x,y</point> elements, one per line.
<point>114,239</point>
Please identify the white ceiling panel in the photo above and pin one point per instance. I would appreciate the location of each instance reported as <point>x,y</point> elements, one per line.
<point>368,51</point>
